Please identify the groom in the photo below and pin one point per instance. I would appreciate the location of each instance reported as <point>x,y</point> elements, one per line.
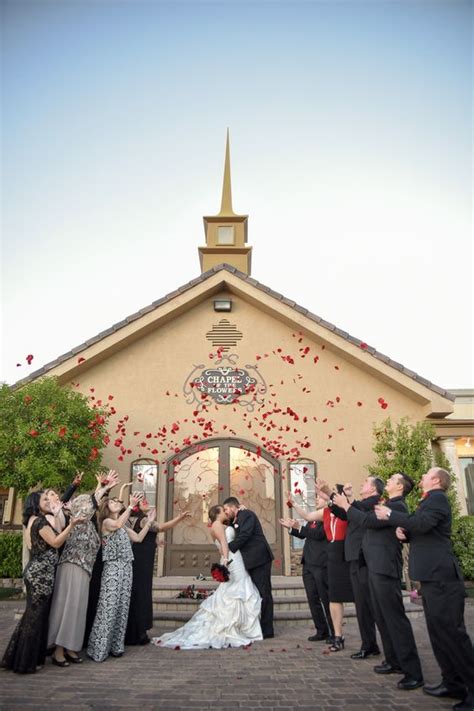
<point>257,556</point>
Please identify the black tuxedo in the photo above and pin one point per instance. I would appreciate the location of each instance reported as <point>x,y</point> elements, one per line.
<point>315,574</point>
<point>359,573</point>
<point>383,554</point>
<point>257,555</point>
<point>434,564</point>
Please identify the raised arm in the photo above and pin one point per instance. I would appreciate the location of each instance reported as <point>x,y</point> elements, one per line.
<point>172,522</point>
<point>105,484</point>
<point>113,524</point>
<point>307,516</point>
<point>138,537</point>
<point>421,521</point>
<point>56,541</point>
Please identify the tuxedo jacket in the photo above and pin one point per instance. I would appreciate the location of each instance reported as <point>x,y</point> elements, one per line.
<point>355,533</point>
<point>250,540</point>
<point>315,550</point>
<point>381,548</point>
<point>429,529</point>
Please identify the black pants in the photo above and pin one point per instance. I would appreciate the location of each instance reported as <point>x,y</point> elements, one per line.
<point>394,626</point>
<point>443,603</point>
<point>363,605</point>
<point>261,577</point>
<point>315,580</point>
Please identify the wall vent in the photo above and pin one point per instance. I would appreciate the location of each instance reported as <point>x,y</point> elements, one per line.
<point>224,335</point>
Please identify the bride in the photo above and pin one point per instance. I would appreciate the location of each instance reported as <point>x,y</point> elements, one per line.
<point>229,617</point>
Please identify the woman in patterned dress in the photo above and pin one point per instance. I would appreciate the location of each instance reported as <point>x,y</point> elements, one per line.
<point>26,651</point>
<point>108,631</point>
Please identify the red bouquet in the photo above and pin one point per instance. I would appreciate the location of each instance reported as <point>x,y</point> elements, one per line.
<point>220,572</point>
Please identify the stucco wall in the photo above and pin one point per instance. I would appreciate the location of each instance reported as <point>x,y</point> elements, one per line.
<point>140,375</point>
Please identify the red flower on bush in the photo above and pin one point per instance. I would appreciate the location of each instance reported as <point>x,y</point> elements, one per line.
<point>34,433</point>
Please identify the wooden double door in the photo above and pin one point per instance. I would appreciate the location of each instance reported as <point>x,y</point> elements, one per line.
<point>204,475</point>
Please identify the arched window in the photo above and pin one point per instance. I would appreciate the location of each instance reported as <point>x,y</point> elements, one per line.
<point>144,477</point>
<point>303,473</point>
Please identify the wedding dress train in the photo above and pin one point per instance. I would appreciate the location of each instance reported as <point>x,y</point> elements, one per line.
<point>228,618</point>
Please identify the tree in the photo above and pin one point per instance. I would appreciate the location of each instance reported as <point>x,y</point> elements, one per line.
<point>406,447</point>
<point>403,447</point>
<point>49,432</point>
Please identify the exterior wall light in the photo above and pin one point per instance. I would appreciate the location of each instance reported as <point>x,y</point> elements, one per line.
<point>223,305</point>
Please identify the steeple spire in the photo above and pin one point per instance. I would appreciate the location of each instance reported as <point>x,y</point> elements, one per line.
<point>226,232</point>
<point>226,202</point>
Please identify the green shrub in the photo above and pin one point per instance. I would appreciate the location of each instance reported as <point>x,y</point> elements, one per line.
<point>463,544</point>
<point>11,547</point>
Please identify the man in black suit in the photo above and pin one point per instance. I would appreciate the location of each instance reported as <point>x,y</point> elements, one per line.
<point>383,553</point>
<point>434,564</point>
<point>257,555</point>
<point>370,492</point>
<point>314,559</point>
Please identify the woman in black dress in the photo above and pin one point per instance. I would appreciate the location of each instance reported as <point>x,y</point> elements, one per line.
<point>140,614</point>
<point>26,651</point>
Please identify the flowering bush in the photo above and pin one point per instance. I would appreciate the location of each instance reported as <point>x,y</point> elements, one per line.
<point>48,433</point>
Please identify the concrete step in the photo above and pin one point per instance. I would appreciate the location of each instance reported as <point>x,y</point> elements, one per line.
<point>171,586</point>
<point>292,602</point>
<point>290,605</point>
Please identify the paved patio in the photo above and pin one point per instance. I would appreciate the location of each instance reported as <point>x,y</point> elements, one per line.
<point>282,673</point>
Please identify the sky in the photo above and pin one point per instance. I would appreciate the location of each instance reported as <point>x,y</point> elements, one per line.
<point>351,148</point>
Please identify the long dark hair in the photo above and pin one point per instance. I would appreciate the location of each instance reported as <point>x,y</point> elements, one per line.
<point>32,506</point>
<point>214,512</point>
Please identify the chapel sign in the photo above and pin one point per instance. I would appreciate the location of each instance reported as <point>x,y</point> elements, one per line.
<point>225,384</point>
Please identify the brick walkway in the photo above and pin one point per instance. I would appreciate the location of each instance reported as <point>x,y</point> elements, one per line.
<point>283,673</point>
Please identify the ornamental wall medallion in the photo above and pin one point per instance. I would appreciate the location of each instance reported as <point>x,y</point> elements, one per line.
<point>226,383</point>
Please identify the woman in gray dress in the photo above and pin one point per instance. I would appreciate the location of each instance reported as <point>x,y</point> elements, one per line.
<point>108,631</point>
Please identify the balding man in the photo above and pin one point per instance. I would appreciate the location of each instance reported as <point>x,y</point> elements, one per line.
<point>433,563</point>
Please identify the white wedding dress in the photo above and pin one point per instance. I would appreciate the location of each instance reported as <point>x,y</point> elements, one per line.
<point>228,618</point>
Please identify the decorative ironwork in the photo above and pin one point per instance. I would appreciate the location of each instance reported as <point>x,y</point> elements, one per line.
<point>226,383</point>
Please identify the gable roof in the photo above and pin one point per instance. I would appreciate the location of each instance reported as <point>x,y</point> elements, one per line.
<point>257,285</point>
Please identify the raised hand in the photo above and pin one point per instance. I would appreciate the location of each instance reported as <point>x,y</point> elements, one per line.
<point>56,508</point>
<point>77,479</point>
<point>136,498</point>
<point>111,479</point>
<point>288,523</point>
<point>382,512</point>
<point>76,521</point>
<point>341,501</point>
<point>151,516</point>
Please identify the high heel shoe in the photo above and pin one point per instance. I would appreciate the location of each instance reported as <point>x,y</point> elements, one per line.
<point>75,660</point>
<point>57,663</point>
<point>337,645</point>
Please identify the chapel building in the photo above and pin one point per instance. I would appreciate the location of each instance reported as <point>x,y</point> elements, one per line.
<point>230,388</point>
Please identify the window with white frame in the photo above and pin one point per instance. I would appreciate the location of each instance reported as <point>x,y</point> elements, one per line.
<point>303,489</point>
